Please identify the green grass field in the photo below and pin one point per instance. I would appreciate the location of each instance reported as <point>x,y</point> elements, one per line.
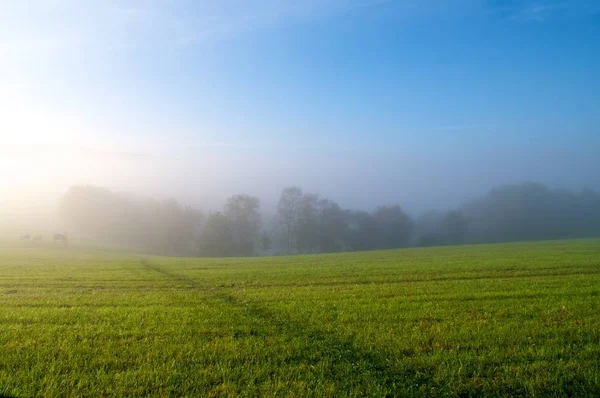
<point>493,320</point>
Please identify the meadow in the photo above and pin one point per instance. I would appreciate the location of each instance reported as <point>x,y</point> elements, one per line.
<point>517,319</point>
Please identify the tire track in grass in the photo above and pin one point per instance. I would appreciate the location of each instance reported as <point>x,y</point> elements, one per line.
<point>349,368</point>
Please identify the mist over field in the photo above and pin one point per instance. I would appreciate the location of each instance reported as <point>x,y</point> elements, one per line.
<point>419,179</point>
<point>37,178</point>
<point>427,107</point>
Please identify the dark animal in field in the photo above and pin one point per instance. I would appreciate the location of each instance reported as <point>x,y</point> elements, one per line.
<point>37,238</point>
<point>60,238</point>
<point>25,237</point>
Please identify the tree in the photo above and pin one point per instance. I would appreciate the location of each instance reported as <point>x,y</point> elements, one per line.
<point>217,238</point>
<point>265,242</point>
<point>171,227</point>
<point>362,230</point>
<point>456,227</point>
<point>306,228</point>
<point>333,226</point>
<point>394,227</point>
<point>287,210</point>
<point>242,211</point>
<point>524,212</point>
<point>107,217</point>
<point>431,239</point>
<point>430,222</point>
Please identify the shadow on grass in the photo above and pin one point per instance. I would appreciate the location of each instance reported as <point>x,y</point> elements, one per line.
<point>349,367</point>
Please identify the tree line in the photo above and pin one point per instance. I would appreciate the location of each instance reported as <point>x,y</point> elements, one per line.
<point>306,223</point>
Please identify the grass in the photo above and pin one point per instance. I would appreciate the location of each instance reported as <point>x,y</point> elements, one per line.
<point>486,320</point>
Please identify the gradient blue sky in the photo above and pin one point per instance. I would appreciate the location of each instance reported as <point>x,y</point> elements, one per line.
<point>422,103</point>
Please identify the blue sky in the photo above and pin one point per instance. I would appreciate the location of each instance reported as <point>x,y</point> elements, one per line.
<point>422,103</point>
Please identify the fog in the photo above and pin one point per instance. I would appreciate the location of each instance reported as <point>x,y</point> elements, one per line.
<point>372,105</point>
<point>35,178</point>
<point>204,177</point>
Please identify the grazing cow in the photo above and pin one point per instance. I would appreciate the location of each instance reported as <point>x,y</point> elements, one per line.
<point>60,238</point>
<point>37,238</point>
<point>25,237</point>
